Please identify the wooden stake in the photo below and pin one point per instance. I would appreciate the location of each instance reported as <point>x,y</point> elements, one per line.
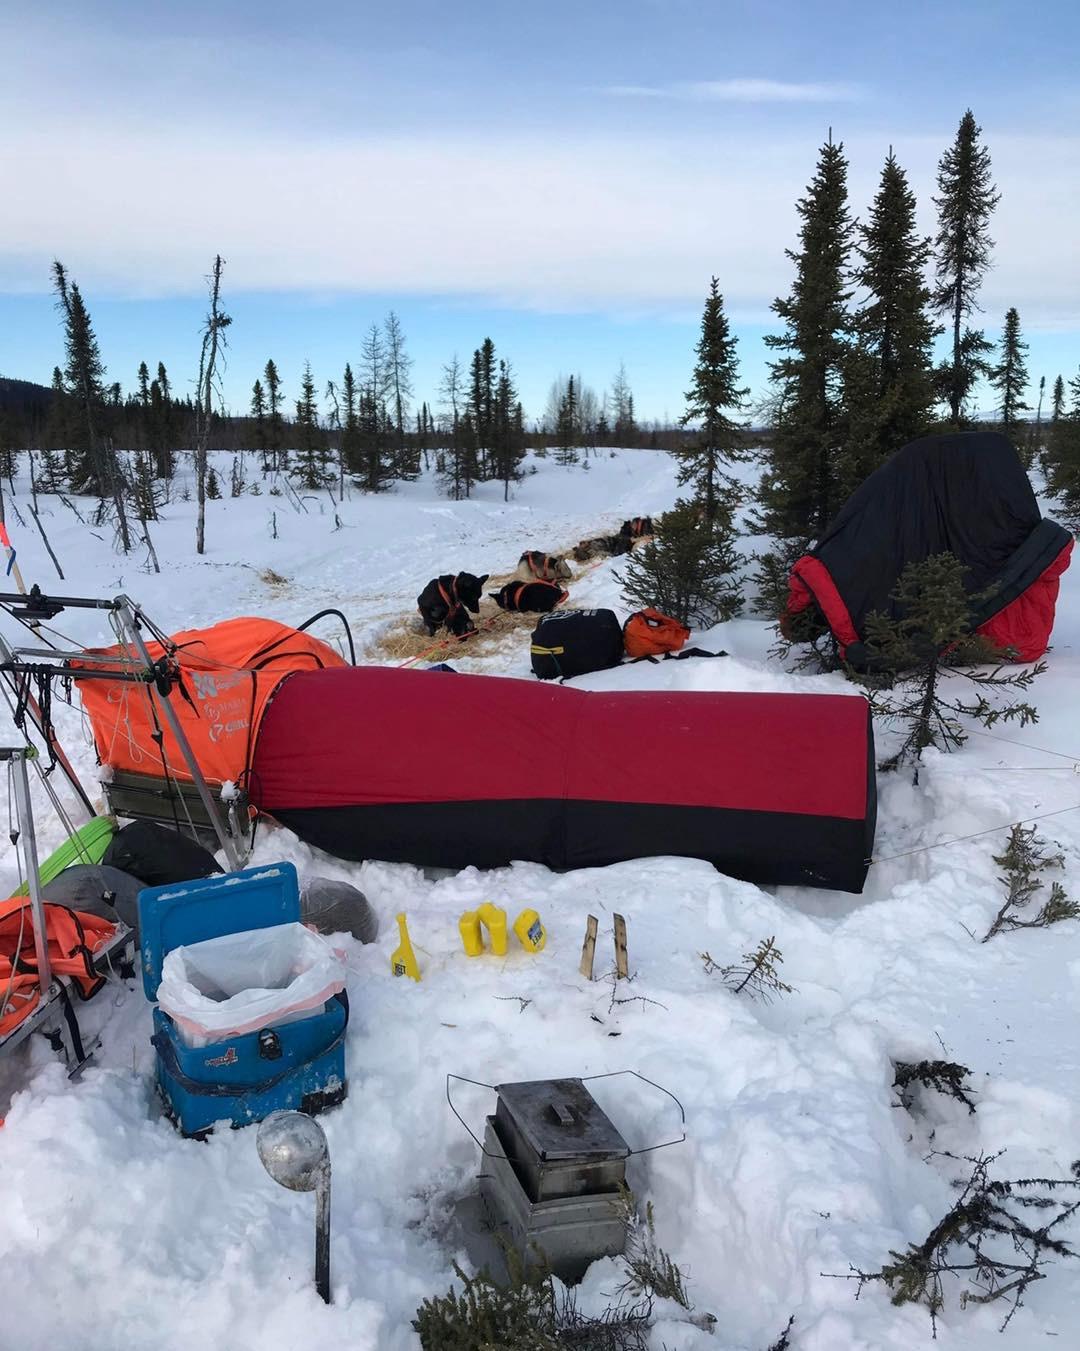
<point>588,948</point>
<point>622,963</point>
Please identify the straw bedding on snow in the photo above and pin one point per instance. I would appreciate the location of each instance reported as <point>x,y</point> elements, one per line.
<point>407,639</point>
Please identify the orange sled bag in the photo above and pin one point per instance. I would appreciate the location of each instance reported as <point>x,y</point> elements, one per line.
<point>73,937</point>
<point>650,633</point>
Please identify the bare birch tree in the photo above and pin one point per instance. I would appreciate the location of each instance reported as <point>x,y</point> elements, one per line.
<point>213,344</point>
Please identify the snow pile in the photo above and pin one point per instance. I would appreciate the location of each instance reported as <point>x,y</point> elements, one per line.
<point>798,1161</point>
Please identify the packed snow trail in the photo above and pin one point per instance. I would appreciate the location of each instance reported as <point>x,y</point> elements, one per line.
<point>799,1163</point>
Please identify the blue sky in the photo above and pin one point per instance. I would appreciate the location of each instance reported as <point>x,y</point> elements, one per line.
<point>562,177</point>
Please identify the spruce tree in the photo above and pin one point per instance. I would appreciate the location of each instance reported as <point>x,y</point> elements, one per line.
<point>714,395</point>
<point>1063,454</point>
<point>310,445</point>
<point>566,431</point>
<point>1010,377</point>
<point>1057,400</point>
<point>927,635</point>
<point>275,423</point>
<point>92,463</point>
<point>966,202</point>
<point>688,569</point>
<point>890,379</point>
<point>803,484</point>
<point>164,420</point>
<point>350,424</point>
<point>257,428</point>
<point>507,439</point>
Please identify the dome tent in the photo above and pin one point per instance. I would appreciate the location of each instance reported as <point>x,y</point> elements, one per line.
<point>964,493</point>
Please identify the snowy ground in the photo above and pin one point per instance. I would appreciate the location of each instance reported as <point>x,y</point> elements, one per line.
<point>116,1233</point>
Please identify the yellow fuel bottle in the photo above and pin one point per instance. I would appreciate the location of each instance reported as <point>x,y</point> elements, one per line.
<point>403,960</point>
<point>494,919</point>
<point>471,937</point>
<point>530,931</point>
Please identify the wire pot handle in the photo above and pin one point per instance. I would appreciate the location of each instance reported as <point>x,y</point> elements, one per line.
<point>585,1078</point>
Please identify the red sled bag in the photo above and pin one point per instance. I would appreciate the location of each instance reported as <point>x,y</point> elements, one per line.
<point>648,633</point>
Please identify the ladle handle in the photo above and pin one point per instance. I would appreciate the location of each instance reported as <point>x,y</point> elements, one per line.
<point>322,1238</point>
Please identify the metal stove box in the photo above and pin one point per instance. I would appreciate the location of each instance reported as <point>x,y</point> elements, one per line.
<point>553,1167</point>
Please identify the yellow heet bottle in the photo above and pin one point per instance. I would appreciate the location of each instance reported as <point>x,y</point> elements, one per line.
<point>471,937</point>
<point>403,960</point>
<point>530,931</point>
<point>493,917</point>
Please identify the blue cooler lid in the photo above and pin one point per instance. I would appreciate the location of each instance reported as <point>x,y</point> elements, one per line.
<point>189,912</point>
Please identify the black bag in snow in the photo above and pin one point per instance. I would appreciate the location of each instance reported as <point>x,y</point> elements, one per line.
<point>332,907</point>
<point>157,856</point>
<point>95,889</point>
<point>573,642</point>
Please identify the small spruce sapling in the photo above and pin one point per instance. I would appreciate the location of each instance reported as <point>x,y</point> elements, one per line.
<point>1025,857</point>
<point>758,974</point>
<point>651,1272</point>
<point>689,569</point>
<point>928,636</point>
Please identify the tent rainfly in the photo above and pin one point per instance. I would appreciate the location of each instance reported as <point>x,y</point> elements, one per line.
<point>966,494</point>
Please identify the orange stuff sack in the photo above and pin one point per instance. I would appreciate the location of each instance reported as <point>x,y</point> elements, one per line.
<point>73,938</point>
<point>650,633</point>
<point>227,674</point>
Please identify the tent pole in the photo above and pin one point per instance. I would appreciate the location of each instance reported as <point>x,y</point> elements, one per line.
<point>28,844</point>
<point>125,611</point>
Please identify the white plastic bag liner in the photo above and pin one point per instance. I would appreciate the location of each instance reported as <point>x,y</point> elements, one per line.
<point>246,981</point>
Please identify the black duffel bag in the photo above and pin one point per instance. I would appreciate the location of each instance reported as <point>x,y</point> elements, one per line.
<point>573,642</point>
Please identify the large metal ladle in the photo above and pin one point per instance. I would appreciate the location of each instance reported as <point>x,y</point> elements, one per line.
<point>294,1152</point>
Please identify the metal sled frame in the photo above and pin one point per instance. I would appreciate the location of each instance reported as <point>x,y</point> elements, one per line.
<point>53,1011</point>
<point>136,667</point>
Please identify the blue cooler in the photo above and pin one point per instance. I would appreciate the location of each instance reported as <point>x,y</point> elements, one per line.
<point>298,1065</point>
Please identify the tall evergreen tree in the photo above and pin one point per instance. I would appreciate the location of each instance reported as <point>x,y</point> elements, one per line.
<point>257,431</point>
<point>890,380</point>
<point>966,201</point>
<point>1063,452</point>
<point>566,430</point>
<point>275,423</point>
<point>351,448</point>
<point>711,400</point>
<point>1010,377</point>
<point>803,485</point>
<point>1057,400</point>
<point>508,442</point>
<point>164,422</point>
<point>92,464</point>
<point>309,439</point>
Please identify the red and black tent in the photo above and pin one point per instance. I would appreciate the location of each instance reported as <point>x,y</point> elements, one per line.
<point>452,770</point>
<point>965,493</point>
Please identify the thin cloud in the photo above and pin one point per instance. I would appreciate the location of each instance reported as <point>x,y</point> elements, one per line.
<point>742,91</point>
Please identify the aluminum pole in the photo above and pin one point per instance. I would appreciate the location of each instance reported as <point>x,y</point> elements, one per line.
<point>124,611</point>
<point>28,846</point>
